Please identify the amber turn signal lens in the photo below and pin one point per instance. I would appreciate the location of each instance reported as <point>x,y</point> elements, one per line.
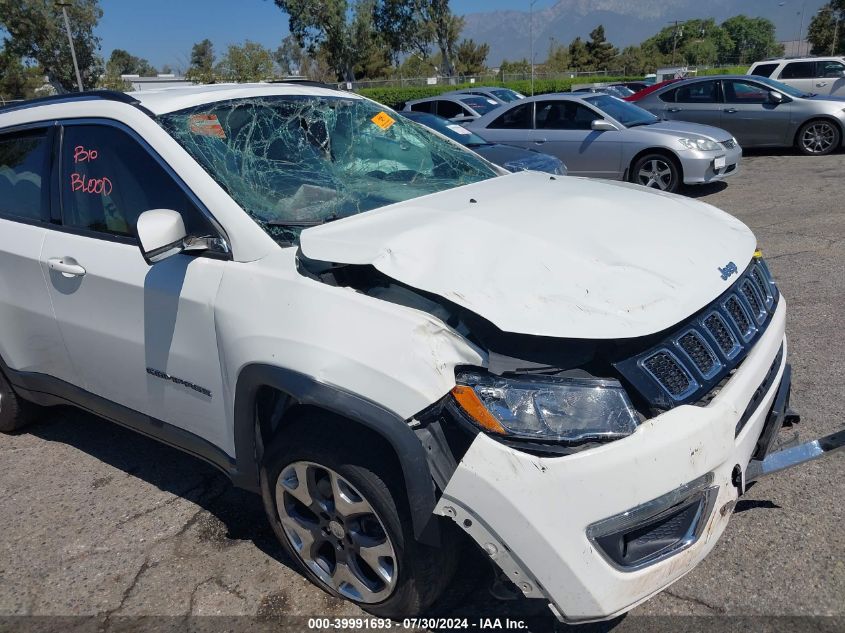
<point>758,254</point>
<point>474,408</point>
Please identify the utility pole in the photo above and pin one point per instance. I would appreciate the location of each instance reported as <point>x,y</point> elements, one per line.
<point>64,6</point>
<point>531,35</point>
<point>801,28</point>
<point>678,33</point>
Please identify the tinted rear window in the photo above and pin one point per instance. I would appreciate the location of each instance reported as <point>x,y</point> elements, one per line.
<point>480,104</point>
<point>798,70</point>
<point>764,70</point>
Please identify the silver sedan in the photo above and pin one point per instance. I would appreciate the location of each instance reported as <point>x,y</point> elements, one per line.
<point>600,136</point>
<point>759,111</point>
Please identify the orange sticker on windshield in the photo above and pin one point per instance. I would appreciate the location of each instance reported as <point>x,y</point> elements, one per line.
<point>206,125</point>
<point>383,120</point>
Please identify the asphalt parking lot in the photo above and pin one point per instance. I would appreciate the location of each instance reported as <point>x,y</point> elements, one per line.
<point>97,520</point>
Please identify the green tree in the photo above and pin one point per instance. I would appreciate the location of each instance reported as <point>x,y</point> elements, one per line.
<point>633,60</point>
<point>601,51</point>
<point>753,38</point>
<point>694,37</point>
<point>17,80</point>
<point>445,28</point>
<point>826,33</point>
<point>700,52</point>
<point>416,65</point>
<point>201,68</point>
<point>291,57</point>
<point>471,58</point>
<point>519,67</point>
<point>342,29</point>
<point>122,63</point>
<point>250,62</point>
<point>35,30</point>
<point>579,56</point>
<point>558,59</point>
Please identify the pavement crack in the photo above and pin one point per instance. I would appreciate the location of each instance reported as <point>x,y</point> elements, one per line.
<point>694,600</point>
<point>127,592</point>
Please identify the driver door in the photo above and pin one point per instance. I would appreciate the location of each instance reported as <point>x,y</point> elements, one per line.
<point>131,328</point>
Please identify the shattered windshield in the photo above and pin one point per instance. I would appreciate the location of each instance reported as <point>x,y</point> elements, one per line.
<point>296,161</point>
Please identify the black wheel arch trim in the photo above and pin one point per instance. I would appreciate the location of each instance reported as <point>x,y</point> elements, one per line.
<point>305,390</point>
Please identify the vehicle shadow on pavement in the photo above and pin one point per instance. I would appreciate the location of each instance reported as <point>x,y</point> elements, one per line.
<point>238,515</point>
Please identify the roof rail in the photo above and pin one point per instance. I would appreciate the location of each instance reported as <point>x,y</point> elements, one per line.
<point>69,97</point>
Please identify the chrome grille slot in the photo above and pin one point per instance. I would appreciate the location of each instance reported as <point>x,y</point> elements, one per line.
<point>668,371</point>
<point>739,317</point>
<point>698,351</point>
<point>755,301</point>
<point>721,333</point>
<point>728,144</point>
<point>763,285</point>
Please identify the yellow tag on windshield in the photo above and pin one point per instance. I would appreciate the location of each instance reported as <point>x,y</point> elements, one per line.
<point>383,120</point>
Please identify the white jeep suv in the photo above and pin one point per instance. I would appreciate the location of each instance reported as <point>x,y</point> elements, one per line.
<point>393,342</point>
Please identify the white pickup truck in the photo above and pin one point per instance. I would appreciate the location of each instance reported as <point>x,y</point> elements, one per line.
<point>400,347</point>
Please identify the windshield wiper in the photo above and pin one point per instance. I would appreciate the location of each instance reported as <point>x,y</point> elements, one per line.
<point>299,224</point>
<point>638,123</point>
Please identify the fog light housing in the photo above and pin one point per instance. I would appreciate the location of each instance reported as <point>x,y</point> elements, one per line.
<point>655,530</point>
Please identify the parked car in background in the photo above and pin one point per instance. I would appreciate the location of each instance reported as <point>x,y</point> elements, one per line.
<point>647,90</point>
<point>819,75</point>
<point>634,86</point>
<point>498,94</point>
<point>758,111</point>
<point>456,108</point>
<point>616,91</point>
<point>601,136</point>
<point>507,156</point>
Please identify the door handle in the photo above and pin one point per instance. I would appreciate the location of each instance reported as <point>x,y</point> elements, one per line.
<point>673,110</point>
<point>730,110</point>
<point>68,268</point>
<point>821,84</point>
<point>539,141</point>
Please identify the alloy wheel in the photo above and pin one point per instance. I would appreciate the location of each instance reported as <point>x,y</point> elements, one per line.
<point>818,138</point>
<point>336,532</point>
<point>655,173</point>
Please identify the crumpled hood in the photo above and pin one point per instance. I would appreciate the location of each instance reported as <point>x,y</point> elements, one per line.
<point>563,257</point>
<point>689,129</point>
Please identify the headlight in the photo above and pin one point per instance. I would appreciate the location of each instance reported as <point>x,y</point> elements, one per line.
<point>566,410</point>
<point>701,144</point>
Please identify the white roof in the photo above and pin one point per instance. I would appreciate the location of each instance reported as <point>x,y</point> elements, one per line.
<point>165,100</point>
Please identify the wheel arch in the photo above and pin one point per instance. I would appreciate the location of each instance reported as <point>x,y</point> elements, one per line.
<point>252,430</point>
<point>664,151</point>
<point>820,117</point>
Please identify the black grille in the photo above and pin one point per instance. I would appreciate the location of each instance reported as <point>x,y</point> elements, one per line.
<point>734,308</point>
<point>721,334</point>
<point>698,352</point>
<point>694,358</point>
<point>753,300</point>
<point>669,373</point>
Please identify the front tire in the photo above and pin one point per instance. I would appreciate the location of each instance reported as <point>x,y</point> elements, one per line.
<point>657,171</point>
<point>340,515</point>
<point>15,413</point>
<point>818,138</point>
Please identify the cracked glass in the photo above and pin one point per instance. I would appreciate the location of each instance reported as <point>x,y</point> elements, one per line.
<point>296,161</point>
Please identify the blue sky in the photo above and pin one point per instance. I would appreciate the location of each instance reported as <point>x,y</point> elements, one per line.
<point>163,31</point>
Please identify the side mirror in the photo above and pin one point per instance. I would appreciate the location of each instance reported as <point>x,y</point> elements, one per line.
<point>600,125</point>
<point>161,233</point>
<point>775,96</point>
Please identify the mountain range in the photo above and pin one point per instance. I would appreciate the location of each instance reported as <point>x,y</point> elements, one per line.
<point>625,22</point>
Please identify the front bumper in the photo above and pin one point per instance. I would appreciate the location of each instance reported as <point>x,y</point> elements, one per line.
<point>701,167</point>
<point>536,516</point>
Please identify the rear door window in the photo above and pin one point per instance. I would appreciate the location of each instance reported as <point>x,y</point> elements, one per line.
<point>517,118</point>
<point>668,96</point>
<point>764,70</point>
<point>699,92</point>
<point>24,175</point>
<point>425,106</point>
<point>449,109</point>
<point>798,70</point>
